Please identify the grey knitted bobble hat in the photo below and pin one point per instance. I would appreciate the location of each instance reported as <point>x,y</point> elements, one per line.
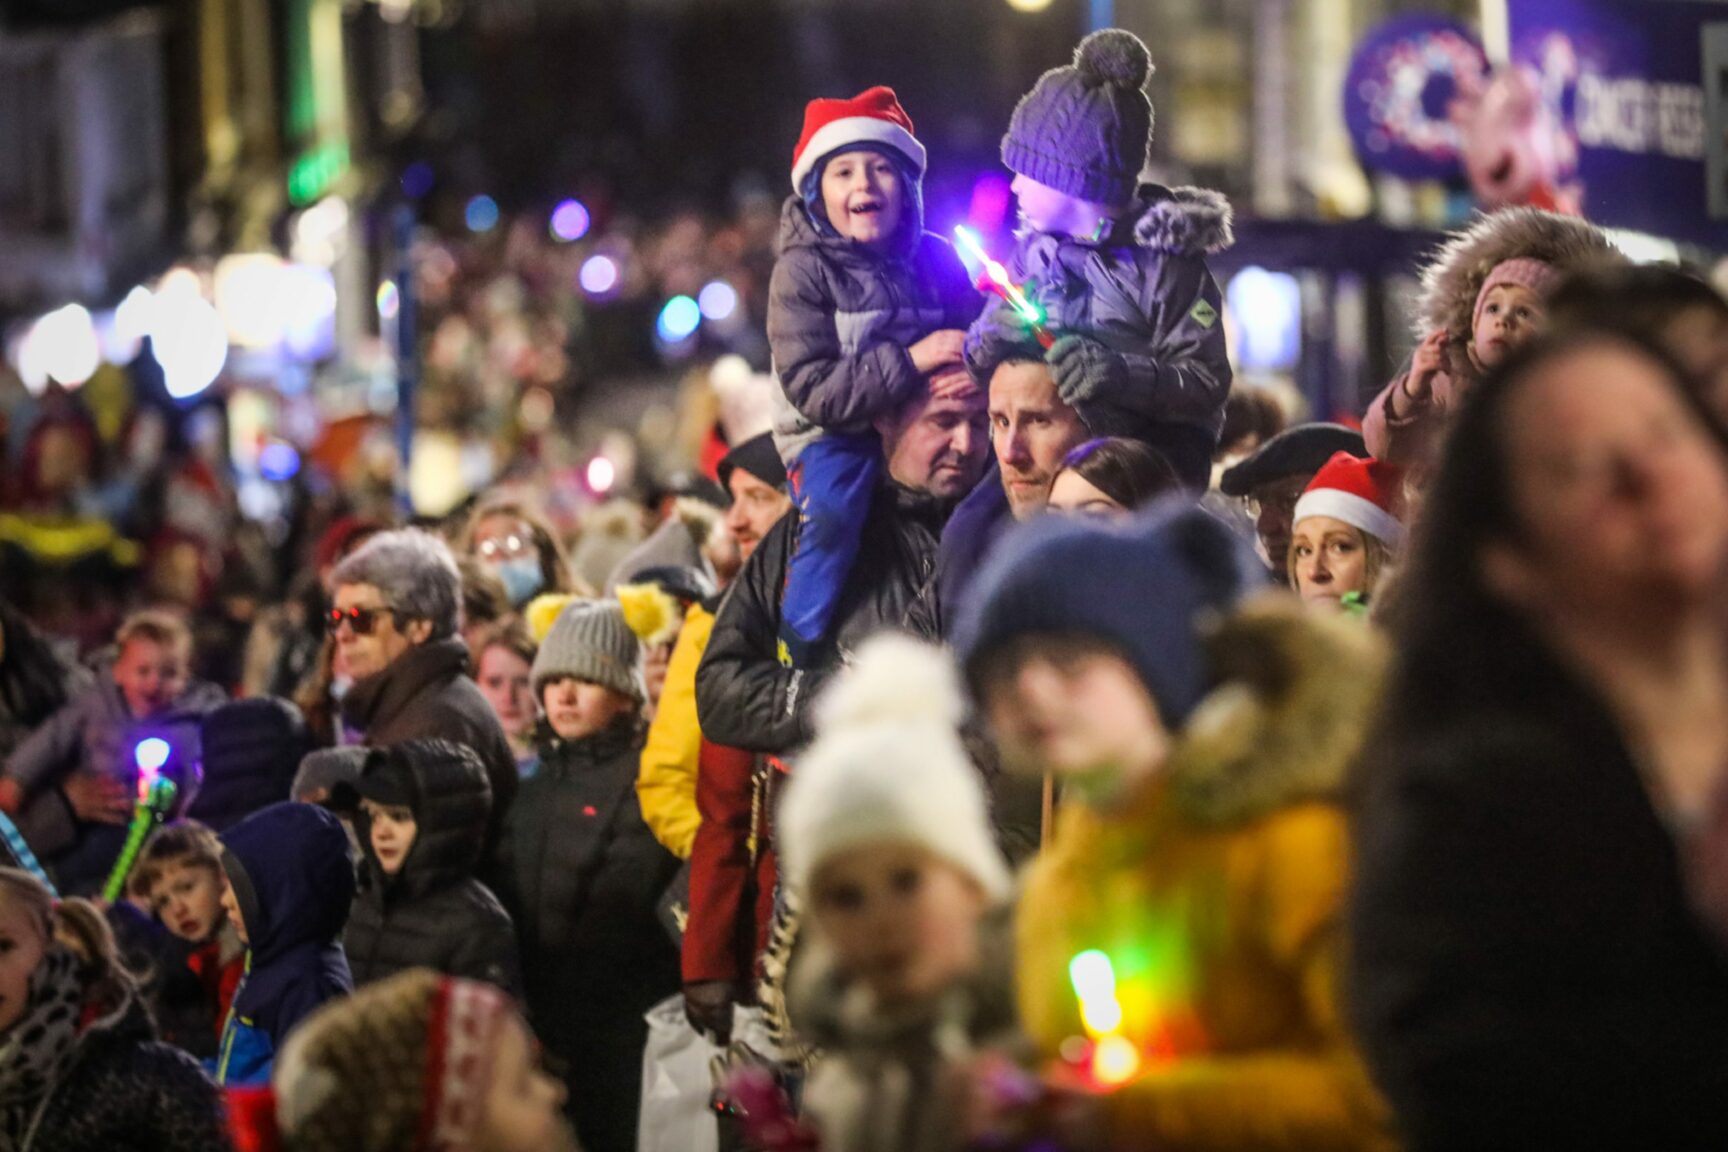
<point>591,641</point>
<point>1083,130</point>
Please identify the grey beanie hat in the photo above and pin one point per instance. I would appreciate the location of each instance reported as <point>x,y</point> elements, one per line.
<point>591,642</point>
<point>1083,130</point>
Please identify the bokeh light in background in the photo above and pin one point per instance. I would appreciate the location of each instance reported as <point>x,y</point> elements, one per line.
<point>679,319</point>
<point>570,221</point>
<point>417,179</point>
<point>389,300</point>
<point>537,408</point>
<point>278,461</point>
<point>188,338</point>
<point>131,324</point>
<point>718,301</point>
<point>481,215</point>
<point>309,312</point>
<point>599,275</point>
<point>1267,310</point>
<point>1028,5</point>
<point>248,289</point>
<point>62,347</point>
<point>601,474</point>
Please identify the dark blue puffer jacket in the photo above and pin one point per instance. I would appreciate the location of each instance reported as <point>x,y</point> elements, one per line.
<point>293,879</point>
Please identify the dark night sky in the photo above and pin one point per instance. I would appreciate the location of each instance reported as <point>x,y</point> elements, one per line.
<point>674,107</point>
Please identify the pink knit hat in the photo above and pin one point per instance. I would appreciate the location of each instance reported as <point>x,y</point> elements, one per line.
<point>1524,271</point>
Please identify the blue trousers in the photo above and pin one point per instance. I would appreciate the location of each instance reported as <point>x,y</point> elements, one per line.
<point>833,481</point>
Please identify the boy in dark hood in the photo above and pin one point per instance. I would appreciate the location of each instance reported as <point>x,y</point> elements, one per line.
<point>863,306</point>
<point>422,825</point>
<point>290,885</point>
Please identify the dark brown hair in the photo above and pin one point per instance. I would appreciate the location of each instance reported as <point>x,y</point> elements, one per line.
<point>1127,471</point>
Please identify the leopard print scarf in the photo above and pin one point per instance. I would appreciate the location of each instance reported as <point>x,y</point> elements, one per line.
<point>35,1053</point>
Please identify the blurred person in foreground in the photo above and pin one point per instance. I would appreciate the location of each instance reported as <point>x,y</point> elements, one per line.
<point>1526,970</point>
<point>416,1061</point>
<point>1178,941</point>
<point>1676,308</point>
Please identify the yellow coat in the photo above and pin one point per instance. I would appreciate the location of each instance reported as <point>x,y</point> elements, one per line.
<point>1218,894</point>
<point>666,782</point>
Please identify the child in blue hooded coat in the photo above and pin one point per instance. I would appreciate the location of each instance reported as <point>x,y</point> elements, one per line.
<point>863,306</point>
<point>290,885</point>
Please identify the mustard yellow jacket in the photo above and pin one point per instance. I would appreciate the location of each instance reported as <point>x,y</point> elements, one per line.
<point>1217,891</point>
<point>666,783</point>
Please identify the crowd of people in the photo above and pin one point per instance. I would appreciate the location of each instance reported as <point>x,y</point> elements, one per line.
<point>1023,743</point>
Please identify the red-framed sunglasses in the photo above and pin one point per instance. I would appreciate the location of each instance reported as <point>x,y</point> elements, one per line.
<point>360,620</point>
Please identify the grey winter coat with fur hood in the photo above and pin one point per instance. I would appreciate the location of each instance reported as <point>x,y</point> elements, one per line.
<point>1451,281</point>
<point>841,316</point>
<point>1145,293</point>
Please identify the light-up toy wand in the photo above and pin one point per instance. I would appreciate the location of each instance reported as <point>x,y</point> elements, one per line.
<point>155,799</point>
<point>994,279</point>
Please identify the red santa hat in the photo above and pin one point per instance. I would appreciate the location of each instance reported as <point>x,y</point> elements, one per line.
<point>1360,493</point>
<point>873,117</point>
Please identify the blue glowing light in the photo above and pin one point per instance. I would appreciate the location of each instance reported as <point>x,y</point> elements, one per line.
<point>417,179</point>
<point>599,275</point>
<point>1267,310</point>
<point>481,214</point>
<point>679,319</point>
<point>718,301</point>
<point>278,461</point>
<point>570,221</point>
<point>151,754</point>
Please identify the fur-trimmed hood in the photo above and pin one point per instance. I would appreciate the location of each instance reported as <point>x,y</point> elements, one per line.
<point>1295,698</point>
<point>1453,278</point>
<point>1187,221</point>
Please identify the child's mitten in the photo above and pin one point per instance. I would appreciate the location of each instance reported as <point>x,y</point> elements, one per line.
<point>1087,371</point>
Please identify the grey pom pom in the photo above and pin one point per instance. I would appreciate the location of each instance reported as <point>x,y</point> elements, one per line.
<point>1112,56</point>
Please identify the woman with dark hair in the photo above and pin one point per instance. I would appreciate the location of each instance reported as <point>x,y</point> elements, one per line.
<point>1110,476</point>
<point>515,542</point>
<point>1672,306</point>
<point>34,683</point>
<point>1526,971</point>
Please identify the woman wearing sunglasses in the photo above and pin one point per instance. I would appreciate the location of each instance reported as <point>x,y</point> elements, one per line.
<point>394,619</point>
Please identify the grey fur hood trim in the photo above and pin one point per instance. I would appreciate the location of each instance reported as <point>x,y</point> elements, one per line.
<point>1296,696</point>
<point>1184,221</point>
<point>1454,276</point>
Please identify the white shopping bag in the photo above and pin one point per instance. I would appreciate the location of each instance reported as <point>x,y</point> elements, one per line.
<point>678,1077</point>
<point>677,1086</point>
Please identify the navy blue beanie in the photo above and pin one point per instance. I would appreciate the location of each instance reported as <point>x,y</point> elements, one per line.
<point>1145,588</point>
<point>1083,130</point>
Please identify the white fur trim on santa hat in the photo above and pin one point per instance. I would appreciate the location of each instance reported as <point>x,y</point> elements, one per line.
<point>856,130</point>
<point>881,775</point>
<point>1353,510</point>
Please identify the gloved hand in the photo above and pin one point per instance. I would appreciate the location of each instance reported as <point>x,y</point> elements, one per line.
<point>708,1007</point>
<point>1086,370</point>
